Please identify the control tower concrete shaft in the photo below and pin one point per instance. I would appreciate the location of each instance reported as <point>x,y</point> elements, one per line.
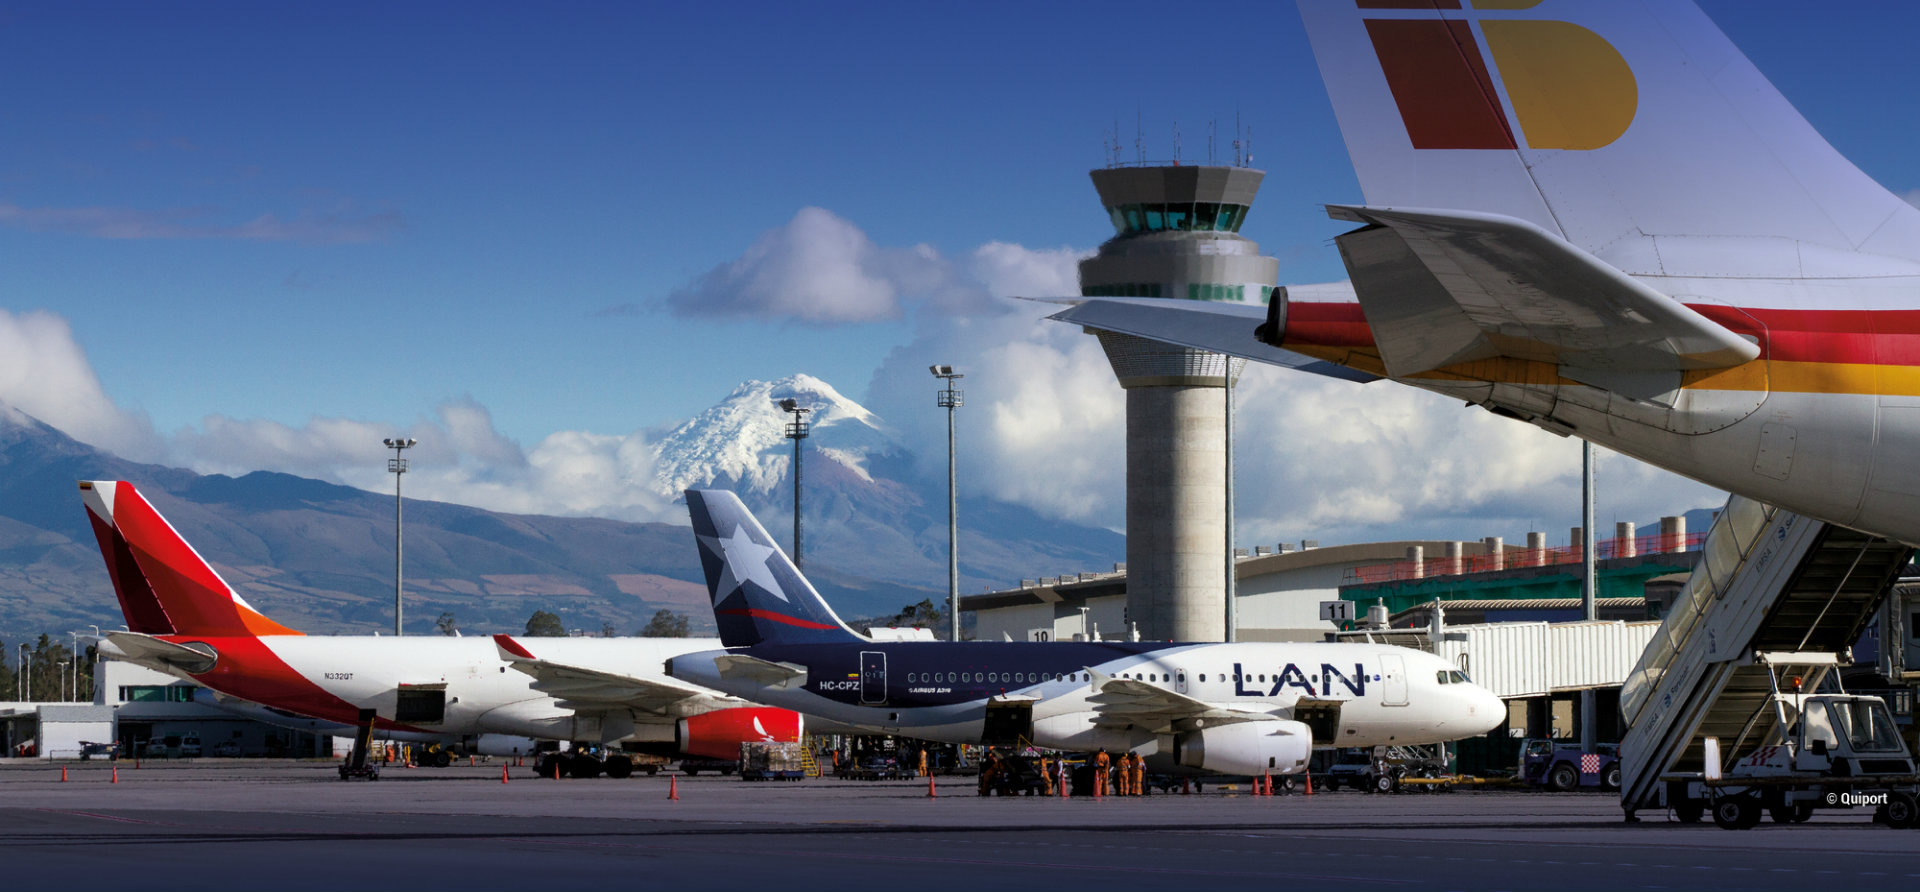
<point>1176,238</point>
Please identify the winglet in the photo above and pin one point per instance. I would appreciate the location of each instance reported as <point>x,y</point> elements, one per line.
<point>511,650</point>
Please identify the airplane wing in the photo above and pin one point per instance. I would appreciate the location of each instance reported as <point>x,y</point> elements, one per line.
<point>1445,287</point>
<point>1123,702</point>
<point>592,690</point>
<point>1221,327</point>
<point>767,673</point>
<point>155,654</point>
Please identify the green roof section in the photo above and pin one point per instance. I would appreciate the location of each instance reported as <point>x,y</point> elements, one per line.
<point>1616,578</point>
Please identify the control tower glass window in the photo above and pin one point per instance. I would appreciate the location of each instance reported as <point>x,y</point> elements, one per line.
<point>1202,216</point>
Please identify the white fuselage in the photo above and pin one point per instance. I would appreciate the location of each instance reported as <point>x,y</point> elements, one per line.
<point>458,686</point>
<point>1384,694</point>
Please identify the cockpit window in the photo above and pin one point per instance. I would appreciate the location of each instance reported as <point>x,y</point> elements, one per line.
<point>1457,676</point>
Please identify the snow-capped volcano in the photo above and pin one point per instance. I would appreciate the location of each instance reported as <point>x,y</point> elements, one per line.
<point>741,443</point>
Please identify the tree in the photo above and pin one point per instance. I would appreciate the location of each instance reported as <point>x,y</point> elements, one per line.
<point>924,615</point>
<point>545,625</point>
<point>446,624</point>
<point>666,624</point>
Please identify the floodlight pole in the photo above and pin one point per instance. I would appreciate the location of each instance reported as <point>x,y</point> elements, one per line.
<point>1589,582</point>
<point>797,430</point>
<point>397,465</point>
<point>950,399</point>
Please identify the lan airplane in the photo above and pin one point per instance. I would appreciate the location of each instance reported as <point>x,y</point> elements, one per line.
<point>1241,709</point>
<point>183,619</point>
<point>1599,218</point>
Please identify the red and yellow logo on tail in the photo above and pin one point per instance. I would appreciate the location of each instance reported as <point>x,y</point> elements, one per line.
<point>1568,87</point>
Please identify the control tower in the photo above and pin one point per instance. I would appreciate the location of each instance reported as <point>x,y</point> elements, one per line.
<point>1176,237</point>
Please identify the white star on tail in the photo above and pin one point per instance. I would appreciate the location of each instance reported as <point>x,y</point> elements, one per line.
<point>746,561</point>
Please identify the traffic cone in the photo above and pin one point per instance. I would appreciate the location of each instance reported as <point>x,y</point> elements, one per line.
<point>1309,784</point>
<point>116,775</point>
<point>1266,784</point>
<point>503,774</point>
<point>63,774</point>
<point>470,762</point>
<point>1065,781</point>
<point>930,791</point>
<point>556,769</point>
<point>673,788</point>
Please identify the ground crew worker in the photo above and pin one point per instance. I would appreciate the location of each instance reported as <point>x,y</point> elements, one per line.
<point>989,772</point>
<point>923,763</point>
<point>1139,775</point>
<point>1046,776</point>
<point>1126,772</point>
<point>1101,764</point>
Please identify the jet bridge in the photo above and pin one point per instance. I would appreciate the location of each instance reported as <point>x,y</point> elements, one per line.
<point>1768,580</point>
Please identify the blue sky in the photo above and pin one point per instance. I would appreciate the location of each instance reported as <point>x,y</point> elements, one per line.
<point>265,222</point>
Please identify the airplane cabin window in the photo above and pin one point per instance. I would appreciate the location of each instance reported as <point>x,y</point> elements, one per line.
<point>1203,676</point>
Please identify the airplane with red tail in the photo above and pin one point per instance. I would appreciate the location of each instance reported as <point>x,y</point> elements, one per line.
<point>185,620</point>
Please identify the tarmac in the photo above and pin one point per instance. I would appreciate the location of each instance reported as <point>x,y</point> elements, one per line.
<point>249,824</point>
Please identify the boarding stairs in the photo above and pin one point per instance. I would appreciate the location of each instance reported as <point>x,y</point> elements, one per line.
<point>1768,580</point>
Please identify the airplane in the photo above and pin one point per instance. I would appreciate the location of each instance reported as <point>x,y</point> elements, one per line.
<point>185,620</point>
<point>1234,709</point>
<point>1601,219</point>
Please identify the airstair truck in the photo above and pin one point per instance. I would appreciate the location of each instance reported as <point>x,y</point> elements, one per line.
<point>1830,750</point>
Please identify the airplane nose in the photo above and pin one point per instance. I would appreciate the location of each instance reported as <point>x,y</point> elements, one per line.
<point>1486,709</point>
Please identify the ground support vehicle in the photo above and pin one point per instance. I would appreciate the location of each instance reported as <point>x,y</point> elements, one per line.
<point>1827,750</point>
<point>589,762</point>
<point>875,768</point>
<point>1565,767</point>
<point>772,761</point>
<point>89,749</point>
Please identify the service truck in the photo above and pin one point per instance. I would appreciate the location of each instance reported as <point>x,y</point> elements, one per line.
<point>1825,750</point>
<point>1567,766</point>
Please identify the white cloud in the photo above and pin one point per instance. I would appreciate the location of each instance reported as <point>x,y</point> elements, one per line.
<point>460,458</point>
<point>44,373</point>
<point>819,268</point>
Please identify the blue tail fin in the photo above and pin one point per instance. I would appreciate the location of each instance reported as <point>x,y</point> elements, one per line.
<point>759,596</point>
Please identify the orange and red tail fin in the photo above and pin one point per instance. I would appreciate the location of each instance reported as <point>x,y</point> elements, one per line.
<point>164,585</point>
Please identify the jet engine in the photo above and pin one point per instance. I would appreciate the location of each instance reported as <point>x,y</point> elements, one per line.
<point>718,734</point>
<point>1250,748</point>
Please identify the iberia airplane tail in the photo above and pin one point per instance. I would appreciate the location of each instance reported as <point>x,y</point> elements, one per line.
<point>165,587</point>
<point>1633,130</point>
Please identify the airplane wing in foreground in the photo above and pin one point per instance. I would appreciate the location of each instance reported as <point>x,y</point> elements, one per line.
<point>1446,287</point>
<point>592,690</point>
<point>1122,702</point>
<point>1221,327</point>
